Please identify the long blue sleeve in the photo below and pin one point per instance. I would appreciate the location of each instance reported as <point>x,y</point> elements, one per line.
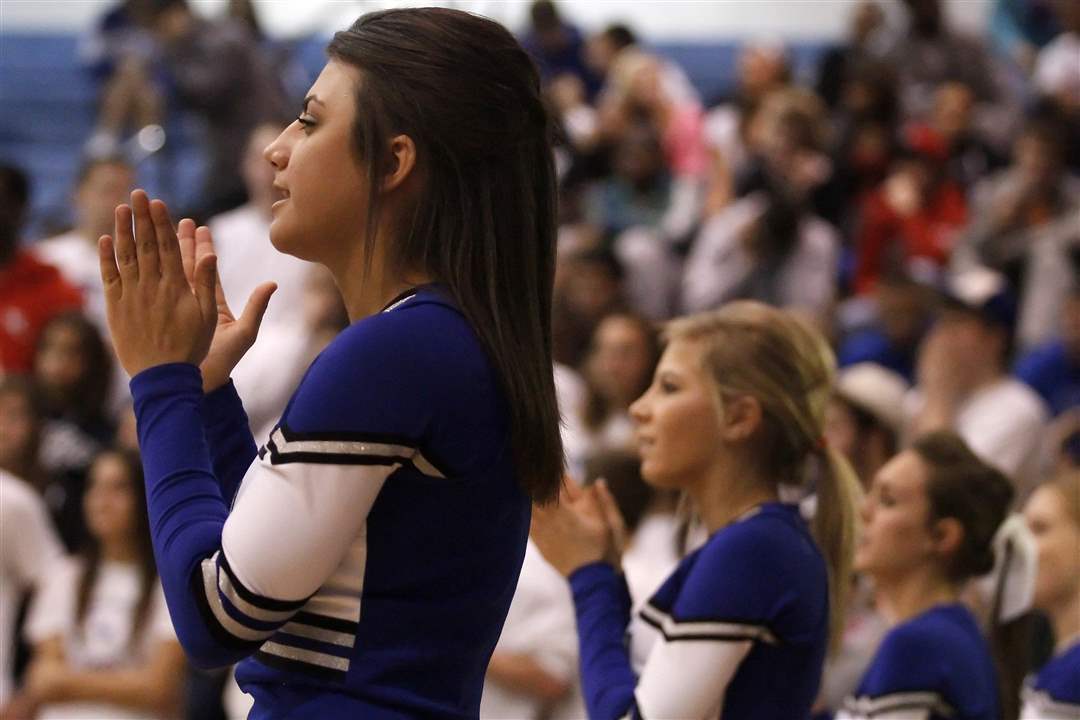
<point>232,447</point>
<point>184,499</point>
<point>602,605</point>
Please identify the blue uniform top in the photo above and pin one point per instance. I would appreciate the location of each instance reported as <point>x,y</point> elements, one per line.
<point>739,629</point>
<point>934,666</point>
<point>1054,693</point>
<point>373,544</point>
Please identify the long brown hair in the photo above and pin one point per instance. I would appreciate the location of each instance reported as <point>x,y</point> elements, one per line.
<point>484,223</point>
<point>753,349</point>
<point>92,552</point>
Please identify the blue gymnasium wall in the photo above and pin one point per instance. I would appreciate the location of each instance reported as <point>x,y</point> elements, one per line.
<point>49,107</point>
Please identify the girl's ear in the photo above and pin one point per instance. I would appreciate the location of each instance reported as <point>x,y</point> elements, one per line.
<point>740,417</point>
<point>947,535</point>
<point>402,162</point>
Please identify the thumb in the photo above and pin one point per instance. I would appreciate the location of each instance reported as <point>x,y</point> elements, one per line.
<point>252,316</point>
<point>205,280</point>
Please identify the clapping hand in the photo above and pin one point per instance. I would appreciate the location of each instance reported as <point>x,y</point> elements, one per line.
<point>583,527</point>
<point>155,315</point>
<point>164,302</point>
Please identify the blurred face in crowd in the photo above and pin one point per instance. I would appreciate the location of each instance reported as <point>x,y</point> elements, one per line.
<point>866,19</point>
<point>1038,162</point>
<point>61,361</point>
<point>105,186</point>
<point>589,287</point>
<point>16,428</point>
<point>323,190</point>
<point>971,342</point>
<point>619,364</point>
<point>760,69</point>
<point>109,503</point>
<point>678,424</point>
<point>1057,535</point>
<point>896,535</point>
<point>600,53</point>
<point>954,104</point>
<point>901,310</point>
<point>259,174</point>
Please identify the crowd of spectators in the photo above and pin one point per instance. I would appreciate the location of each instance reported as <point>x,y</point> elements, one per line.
<point>917,200</point>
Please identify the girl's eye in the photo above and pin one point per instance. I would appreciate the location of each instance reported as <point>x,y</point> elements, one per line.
<point>305,122</point>
<point>667,386</point>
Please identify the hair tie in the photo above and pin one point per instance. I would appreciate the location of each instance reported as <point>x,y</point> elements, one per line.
<point>1009,589</point>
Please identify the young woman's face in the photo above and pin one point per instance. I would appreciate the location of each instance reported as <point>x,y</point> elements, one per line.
<point>322,211</point>
<point>619,363</point>
<point>896,535</point>
<point>61,360</point>
<point>109,503</point>
<point>1058,539</point>
<point>678,427</point>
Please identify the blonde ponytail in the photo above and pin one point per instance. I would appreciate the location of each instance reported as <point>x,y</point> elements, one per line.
<point>835,528</point>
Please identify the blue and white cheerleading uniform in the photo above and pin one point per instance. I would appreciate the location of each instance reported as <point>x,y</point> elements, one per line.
<point>936,666</point>
<point>740,628</point>
<point>373,545</point>
<point>1054,693</point>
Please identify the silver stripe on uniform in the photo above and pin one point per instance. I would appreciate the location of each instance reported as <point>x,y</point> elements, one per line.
<point>354,447</point>
<point>210,586</point>
<point>675,630</point>
<point>311,632</point>
<point>869,707</point>
<point>307,656</point>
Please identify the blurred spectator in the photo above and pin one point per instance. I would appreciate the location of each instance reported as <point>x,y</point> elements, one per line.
<point>863,46</point>
<point>587,288</point>
<point>762,68</point>
<point>533,673</point>
<point>103,643</point>
<point>950,136</point>
<point>101,185</point>
<point>619,367</point>
<point>28,549</point>
<point>246,259</point>
<point>603,48</point>
<point>765,247</point>
<point>218,71</point>
<point>122,52</point>
<point>1024,224</point>
<point>272,369</point>
<point>963,386</point>
<point>31,292</point>
<point>1053,515</point>
<point>900,314</point>
<point>639,190</point>
<point>557,46</point>
<point>21,421</point>
<point>1055,72</point>
<point>1021,27</point>
<point>910,223</point>
<point>930,53</point>
<point>1053,369</point>
<point>865,418</point>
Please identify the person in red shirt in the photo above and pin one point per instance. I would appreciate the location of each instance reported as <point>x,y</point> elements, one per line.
<point>910,223</point>
<point>31,292</point>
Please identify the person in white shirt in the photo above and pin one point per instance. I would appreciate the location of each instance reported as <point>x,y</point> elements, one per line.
<point>28,548</point>
<point>962,384</point>
<point>104,646</point>
<point>102,183</point>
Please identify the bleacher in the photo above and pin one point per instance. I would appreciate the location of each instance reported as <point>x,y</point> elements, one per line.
<point>50,107</point>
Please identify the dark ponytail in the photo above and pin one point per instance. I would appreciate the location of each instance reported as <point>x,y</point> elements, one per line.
<point>484,223</point>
